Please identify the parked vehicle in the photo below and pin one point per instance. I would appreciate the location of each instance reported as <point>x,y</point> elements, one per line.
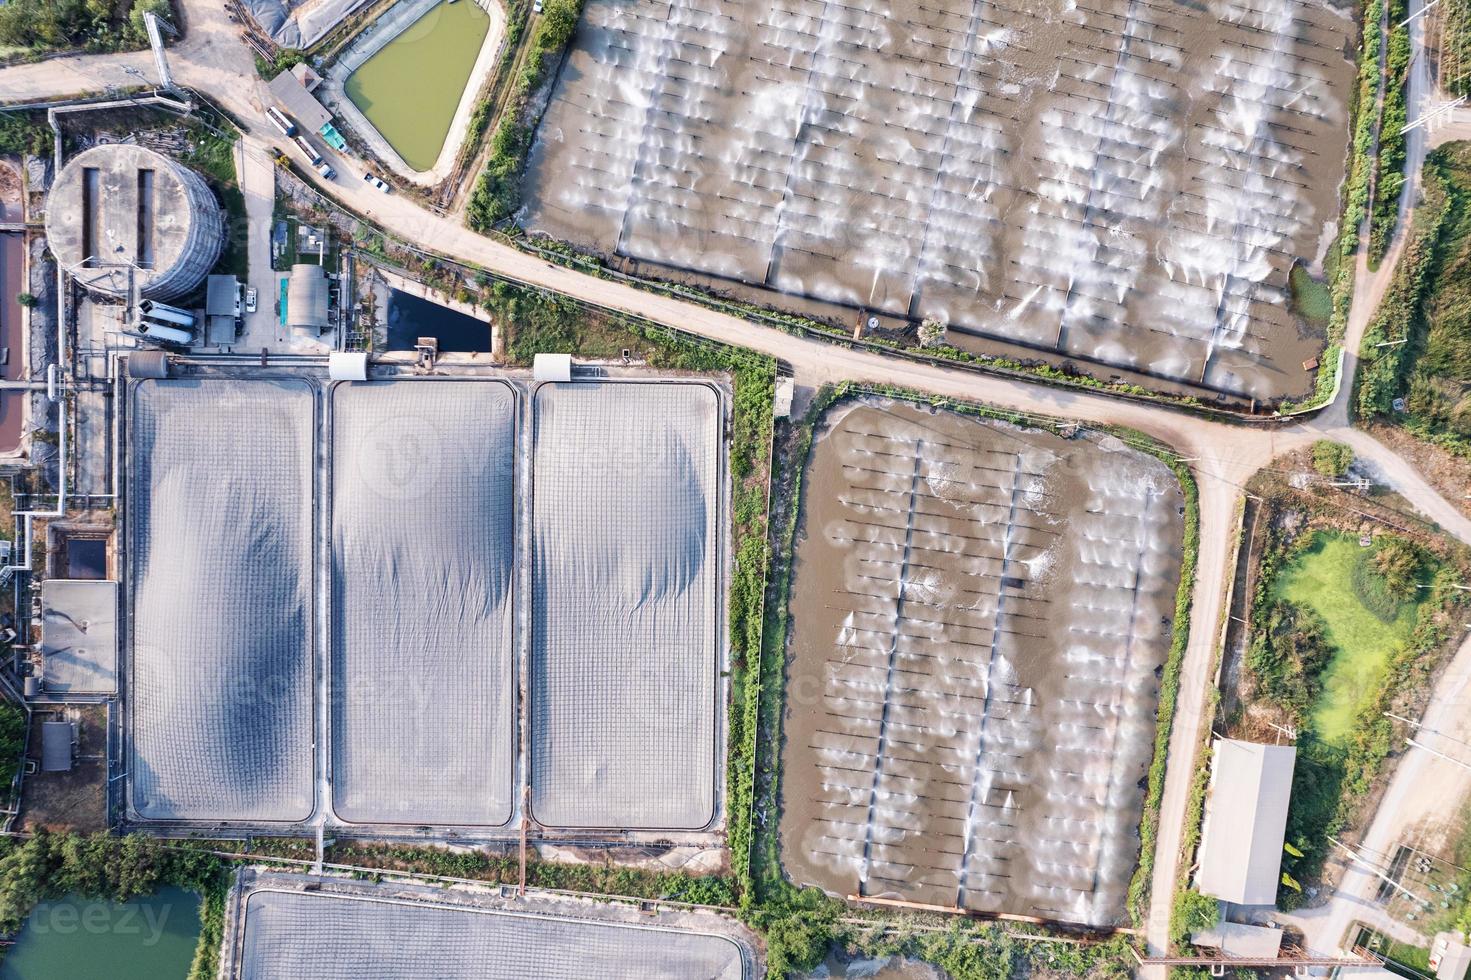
<point>376,181</point>
<point>312,154</point>
<point>250,298</point>
<point>326,170</point>
<point>279,120</point>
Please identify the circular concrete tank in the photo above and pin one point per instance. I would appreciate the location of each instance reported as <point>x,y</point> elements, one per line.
<point>119,212</point>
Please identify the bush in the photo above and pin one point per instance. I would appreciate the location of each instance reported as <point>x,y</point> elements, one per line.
<point>1331,458</point>
<point>93,25</point>
<point>1194,912</point>
<point>1288,655</point>
<point>1399,563</point>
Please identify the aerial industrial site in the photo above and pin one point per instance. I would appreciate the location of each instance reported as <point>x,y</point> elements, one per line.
<point>694,489</point>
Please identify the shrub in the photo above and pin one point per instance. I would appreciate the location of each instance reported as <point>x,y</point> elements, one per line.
<point>1399,563</point>
<point>1331,458</point>
<point>1195,912</point>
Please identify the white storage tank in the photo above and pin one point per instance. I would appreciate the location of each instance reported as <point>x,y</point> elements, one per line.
<point>121,216</point>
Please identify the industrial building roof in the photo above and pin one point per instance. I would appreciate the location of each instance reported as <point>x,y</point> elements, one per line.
<point>306,297</point>
<point>1245,821</point>
<point>222,296</point>
<point>56,746</point>
<point>299,104</point>
<point>79,636</point>
<point>1449,957</point>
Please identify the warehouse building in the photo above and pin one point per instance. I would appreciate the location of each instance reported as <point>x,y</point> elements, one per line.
<point>1245,821</point>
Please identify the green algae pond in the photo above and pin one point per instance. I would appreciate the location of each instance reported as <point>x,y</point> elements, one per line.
<point>411,87</point>
<point>150,938</point>
<point>1322,577</point>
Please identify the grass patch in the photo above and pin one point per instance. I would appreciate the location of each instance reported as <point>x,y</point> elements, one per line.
<point>1312,299</point>
<point>1321,577</point>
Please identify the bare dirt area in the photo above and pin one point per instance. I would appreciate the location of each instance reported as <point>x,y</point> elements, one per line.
<point>73,800</point>
<point>980,614</point>
<point>1448,473</point>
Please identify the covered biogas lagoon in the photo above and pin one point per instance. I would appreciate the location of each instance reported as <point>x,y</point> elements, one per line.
<point>329,928</point>
<point>337,591</point>
<point>980,614</point>
<point>1123,183</point>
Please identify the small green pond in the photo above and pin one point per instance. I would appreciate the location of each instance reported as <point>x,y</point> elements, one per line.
<point>410,88</point>
<point>149,938</point>
<point>1321,577</point>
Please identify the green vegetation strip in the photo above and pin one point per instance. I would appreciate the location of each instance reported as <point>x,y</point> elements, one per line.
<point>1418,346</point>
<point>1340,265</point>
<point>497,193</point>
<point>1389,181</point>
<point>94,26</point>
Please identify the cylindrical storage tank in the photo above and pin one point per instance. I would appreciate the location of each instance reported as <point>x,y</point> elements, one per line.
<point>121,216</point>
<point>148,364</point>
<point>163,313</point>
<point>163,333</point>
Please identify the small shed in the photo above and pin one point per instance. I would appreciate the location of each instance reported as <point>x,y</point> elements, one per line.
<point>306,75</point>
<point>57,738</point>
<point>148,364</point>
<point>1245,821</point>
<point>552,367</point>
<point>307,298</point>
<point>347,366</point>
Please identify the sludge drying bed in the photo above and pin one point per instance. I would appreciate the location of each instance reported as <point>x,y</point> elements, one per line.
<point>410,663</point>
<point>1126,182</point>
<point>979,613</point>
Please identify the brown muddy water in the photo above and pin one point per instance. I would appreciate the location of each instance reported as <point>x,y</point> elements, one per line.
<point>980,617</point>
<point>1126,183</point>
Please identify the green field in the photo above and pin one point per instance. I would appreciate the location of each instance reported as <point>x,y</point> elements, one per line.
<point>1321,578</point>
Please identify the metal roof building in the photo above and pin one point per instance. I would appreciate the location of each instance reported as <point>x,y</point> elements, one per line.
<point>306,298</point>
<point>1245,821</point>
<point>221,307</point>
<point>56,746</point>
<point>79,636</point>
<point>299,104</point>
<point>1240,939</point>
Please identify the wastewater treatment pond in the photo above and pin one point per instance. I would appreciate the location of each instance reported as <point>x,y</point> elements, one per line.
<point>150,938</point>
<point>981,614</point>
<point>411,87</point>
